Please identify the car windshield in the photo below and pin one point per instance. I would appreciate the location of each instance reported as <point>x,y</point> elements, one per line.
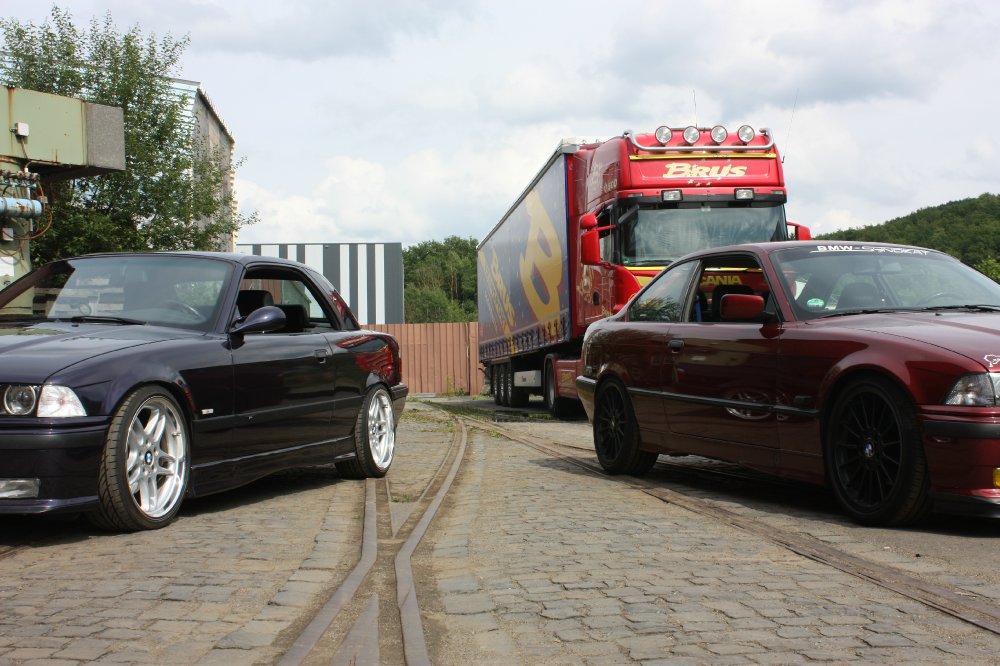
<point>827,280</point>
<point>654,236</point>
<point>166,290</point>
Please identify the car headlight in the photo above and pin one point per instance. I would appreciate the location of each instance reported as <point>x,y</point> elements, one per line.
<point>59,402</point>
<point>20,399</point>
<point>976,390</point>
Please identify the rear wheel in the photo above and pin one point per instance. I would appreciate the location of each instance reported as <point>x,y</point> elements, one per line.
<point>873,454</point>
<point>374,437</point>
<point>144,465</point>
<point>616,433</point>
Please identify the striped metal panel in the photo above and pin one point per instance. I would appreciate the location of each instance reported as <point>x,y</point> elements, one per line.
<point>369,276</point>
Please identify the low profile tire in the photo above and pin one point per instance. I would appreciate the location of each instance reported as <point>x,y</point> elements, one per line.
<point>374,438</point>
<point>873,454</point>
<point>144,465</point>
<point>616,433</point>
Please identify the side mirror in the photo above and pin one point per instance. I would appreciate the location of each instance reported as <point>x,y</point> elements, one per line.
<point>741,307</point>
<point>798,231</point>
<point>261,320</point>
<point>588,221</point>
<point>590,248</point>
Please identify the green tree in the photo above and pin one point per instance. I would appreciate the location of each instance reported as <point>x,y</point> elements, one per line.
<point>989,267</point>
<point>170,195</point>
<point>440,280</point>
<point>968,229</point>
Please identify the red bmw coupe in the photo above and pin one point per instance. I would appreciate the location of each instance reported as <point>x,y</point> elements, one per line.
<point>871,368</point>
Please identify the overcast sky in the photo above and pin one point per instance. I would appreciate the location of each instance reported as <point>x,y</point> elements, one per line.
<point>411,120</point>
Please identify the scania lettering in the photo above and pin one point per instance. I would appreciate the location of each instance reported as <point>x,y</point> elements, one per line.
<point>599,220</point>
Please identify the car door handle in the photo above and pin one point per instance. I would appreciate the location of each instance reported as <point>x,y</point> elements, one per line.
<point>321,355</point>
<point>676,345</point>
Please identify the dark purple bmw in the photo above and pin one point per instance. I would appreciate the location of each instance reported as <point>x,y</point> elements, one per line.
<point>131,381</point>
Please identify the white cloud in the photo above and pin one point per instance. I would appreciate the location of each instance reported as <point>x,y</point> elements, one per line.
<point>415,120</point>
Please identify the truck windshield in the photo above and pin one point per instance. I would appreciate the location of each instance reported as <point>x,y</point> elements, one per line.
<point>653,236</point>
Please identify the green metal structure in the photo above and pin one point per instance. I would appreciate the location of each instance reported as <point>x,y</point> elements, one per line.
<point>50,138</point>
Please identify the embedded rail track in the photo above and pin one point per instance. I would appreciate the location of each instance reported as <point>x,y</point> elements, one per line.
<point>358,643</point>
<point>362,598</point>
<point>374,615</point>
<point>977,610</point>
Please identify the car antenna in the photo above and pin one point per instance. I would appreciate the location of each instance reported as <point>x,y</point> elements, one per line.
<point>788,135</point>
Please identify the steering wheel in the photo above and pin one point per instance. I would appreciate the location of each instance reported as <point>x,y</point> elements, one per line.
<point>183,307</point>
<point>940,294</point>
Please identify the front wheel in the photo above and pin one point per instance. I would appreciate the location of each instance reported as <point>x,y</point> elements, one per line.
<point>144,465</point>
<point>873,455</point>
<point>374,437</point>
<point>616,433</point>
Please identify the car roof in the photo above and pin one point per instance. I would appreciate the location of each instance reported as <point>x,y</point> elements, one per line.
<point>776,246</point>
<point>234,257</point>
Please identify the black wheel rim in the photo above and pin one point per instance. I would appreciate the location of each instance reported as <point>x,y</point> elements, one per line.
<point>610,424</point>
<point>867,452</point>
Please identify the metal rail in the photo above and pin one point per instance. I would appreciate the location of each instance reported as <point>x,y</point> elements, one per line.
<point>979,611</point>
<point>361,584</point>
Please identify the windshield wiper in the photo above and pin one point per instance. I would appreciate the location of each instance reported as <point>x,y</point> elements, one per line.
<point>80,319</point>
<point>844,313</point>
<point>981,307</point>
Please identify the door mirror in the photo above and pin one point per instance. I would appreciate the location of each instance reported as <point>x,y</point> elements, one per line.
<point>741,307</point>
<point>261,320</point>
<point>798,231</point>
<point>590,248</point>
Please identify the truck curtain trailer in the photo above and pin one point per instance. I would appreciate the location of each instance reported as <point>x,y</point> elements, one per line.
<point>599,221</point>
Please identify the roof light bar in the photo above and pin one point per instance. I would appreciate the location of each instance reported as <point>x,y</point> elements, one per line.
<point>691,134</point>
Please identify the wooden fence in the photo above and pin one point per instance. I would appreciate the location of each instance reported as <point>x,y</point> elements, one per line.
<point>438,358</point>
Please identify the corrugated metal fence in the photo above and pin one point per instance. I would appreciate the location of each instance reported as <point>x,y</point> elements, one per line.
<point>438,358</point>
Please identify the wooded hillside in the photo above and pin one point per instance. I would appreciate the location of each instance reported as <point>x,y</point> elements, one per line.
<point>968,229</point>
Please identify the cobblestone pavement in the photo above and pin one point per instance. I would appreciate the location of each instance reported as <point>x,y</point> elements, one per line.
<point>232,581</point>
<point>218,586</point>
<point>535,561</point>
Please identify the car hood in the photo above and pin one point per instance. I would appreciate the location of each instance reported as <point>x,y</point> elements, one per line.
<point>975,335</point>
<point>32,352</point>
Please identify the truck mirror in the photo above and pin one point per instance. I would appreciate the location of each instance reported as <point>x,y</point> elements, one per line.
<point>588,221</point>
<point>798,231</point>
<point>590,247</point>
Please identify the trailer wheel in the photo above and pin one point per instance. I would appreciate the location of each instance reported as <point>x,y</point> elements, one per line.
<point>505,382</point>
<point>495,383</point>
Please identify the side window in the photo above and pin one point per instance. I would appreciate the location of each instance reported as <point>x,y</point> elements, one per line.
<point>733,274</point>
<point>664,299</point>
<point>607,236</point>
<point>289,291</point>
